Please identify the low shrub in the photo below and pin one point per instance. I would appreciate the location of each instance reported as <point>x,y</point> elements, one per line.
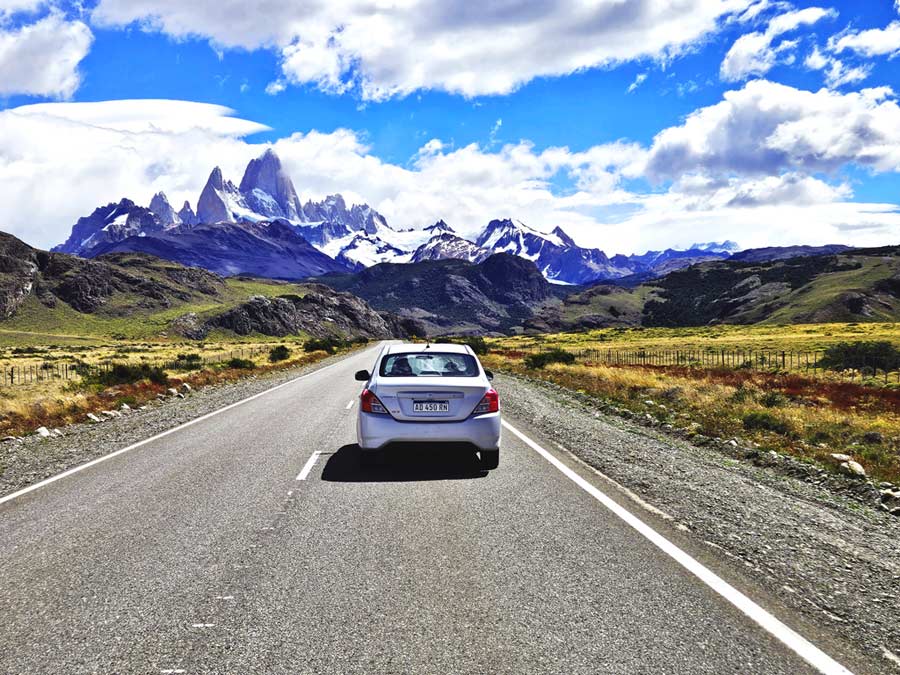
<point>240,364</point>
<point>542,359</point>
<point>187,362</point>
<point>882,355</point>
<point>327,344</point>
<point>475,342</point>
<point>28,350</point>
<point>279,353</point>
<point>126,373</point>
<point>763,421</point>
<point>772,399</point>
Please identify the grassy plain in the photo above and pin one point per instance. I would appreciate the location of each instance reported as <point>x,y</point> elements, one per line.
<point>809,418</point>
<point>797,337</point>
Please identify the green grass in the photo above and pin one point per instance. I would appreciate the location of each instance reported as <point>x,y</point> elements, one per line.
<point>618,304</point>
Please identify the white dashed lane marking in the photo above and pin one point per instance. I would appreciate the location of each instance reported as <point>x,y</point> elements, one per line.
<point>304,472</point>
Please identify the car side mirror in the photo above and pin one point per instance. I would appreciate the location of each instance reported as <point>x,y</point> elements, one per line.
<point>489,374</point>
<point>362,375</point>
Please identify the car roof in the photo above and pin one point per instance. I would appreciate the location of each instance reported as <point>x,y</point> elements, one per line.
<point>421,347</point>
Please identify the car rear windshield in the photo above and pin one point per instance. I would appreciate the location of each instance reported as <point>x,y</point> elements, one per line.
<point>429,364</point>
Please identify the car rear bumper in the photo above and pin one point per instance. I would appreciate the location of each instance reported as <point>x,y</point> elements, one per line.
<point>375,431</point>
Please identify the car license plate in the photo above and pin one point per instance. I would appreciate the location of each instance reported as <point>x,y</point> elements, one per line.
<point>431,406</point>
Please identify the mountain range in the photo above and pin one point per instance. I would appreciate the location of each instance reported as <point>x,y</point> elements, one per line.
<point>260,227</point>
<point>62,294</point>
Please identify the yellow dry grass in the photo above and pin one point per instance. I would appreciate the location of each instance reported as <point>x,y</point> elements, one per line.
<point>804,417</point>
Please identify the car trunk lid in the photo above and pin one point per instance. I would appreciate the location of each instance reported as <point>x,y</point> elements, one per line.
<point>461,395</point>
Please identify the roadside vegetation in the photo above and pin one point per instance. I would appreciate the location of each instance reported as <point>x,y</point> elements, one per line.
<point>810,418</point>
<point>105,375</point>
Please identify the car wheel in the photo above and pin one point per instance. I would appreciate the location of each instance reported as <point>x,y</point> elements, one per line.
<point>490,459</point>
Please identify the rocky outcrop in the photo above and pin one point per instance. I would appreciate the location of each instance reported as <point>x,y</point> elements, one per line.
<point>19,266</point>
<point>189,326</point>
<point>121,284</point>
<point>320,312</point>
<point>453,295</point>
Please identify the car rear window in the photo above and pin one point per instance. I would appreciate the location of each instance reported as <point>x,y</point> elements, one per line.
<point>428,364</point>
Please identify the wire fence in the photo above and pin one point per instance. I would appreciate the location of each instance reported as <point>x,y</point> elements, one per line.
<point>62,370</point>
<point>875,370</point>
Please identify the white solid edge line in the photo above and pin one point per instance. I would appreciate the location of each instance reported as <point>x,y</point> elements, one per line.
<point>349,405</point>
<point>163,434</point>
<point>310,463</point>
<point>787,636</point>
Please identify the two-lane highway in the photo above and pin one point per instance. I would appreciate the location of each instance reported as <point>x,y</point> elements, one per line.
<point>252,541</point>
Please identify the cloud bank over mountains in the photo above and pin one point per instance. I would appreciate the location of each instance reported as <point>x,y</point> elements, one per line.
<point>757,167</point>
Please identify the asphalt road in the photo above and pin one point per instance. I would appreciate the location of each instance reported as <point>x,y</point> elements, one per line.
<point>201,552</point>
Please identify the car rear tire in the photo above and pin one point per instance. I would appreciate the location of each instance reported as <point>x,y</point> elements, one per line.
<point>490,459</point>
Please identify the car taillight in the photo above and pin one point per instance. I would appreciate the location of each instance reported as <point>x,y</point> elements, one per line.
<point>368,402</point>
<point>490,403</point>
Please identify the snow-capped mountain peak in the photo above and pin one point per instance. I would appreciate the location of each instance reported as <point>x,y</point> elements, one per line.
<point>448,245</point>
<point>439,227</point>
<point>726,246</point>
<point>110,223</point>
<point>364,250</point>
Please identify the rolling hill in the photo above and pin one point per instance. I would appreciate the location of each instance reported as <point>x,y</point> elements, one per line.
<point>138,296</point>
<point>852,285</point>
<point>498,294</point>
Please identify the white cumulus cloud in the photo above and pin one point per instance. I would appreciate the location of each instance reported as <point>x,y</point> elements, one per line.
<point>42,58</point>
<point>385,49</point>
<point>756,53</point>
<point>873,42</point>
<point>837,74</point>
<point>766,127</point>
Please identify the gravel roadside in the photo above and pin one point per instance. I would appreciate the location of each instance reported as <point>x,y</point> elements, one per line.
<point>33,458</point>
<point>829,557</point>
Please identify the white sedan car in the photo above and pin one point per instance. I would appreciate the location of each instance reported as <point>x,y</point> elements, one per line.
<point>429,393</point>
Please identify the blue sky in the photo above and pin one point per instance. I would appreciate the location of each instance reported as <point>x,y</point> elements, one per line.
<point>510,110</point>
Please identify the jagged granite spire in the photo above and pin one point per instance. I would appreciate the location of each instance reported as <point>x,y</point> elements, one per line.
<point>265,180</point>
<point>212,206</point>
<point>187,215</point>
<point>163,210</point>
